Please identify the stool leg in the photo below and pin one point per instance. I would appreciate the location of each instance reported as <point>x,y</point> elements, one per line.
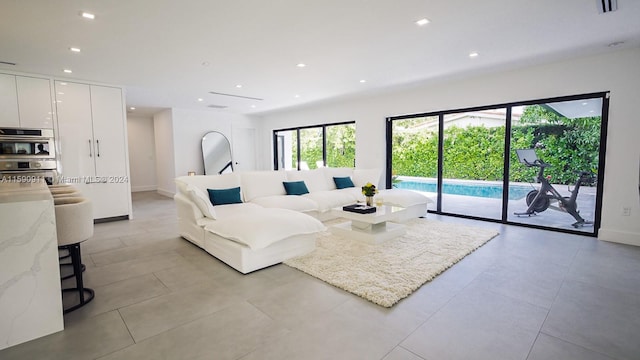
<point>76,261</point>
<point>77,269</point>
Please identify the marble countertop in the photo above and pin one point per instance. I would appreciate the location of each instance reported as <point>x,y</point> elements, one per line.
<point>29,269</point>
<point>14,192</point>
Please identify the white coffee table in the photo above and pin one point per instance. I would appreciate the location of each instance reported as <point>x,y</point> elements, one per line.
<point>373,228</point>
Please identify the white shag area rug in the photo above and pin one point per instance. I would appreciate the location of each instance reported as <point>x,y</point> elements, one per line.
<point>386,273</point>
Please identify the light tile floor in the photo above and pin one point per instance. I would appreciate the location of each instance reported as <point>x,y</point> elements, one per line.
<point>527,294</point>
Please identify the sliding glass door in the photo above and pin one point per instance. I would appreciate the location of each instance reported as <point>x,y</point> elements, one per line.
<point>473,158</point>
<point>537,163</point>
<point>559,172</point>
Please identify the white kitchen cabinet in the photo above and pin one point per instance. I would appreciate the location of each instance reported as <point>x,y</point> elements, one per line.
<point>8,101</point>
<point>92,145</point>
<point>25,101</point>
<point>34,102</point>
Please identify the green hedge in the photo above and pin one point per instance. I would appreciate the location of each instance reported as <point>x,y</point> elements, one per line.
<point>476,152</point>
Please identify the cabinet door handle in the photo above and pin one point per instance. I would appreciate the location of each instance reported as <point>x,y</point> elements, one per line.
<point>97,148</point>
<point>90,154</point>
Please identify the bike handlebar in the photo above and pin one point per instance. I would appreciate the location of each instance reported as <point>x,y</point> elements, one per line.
<point>537,163</point>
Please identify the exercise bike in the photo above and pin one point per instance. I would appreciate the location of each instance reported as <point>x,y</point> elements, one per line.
<point>541,200</point>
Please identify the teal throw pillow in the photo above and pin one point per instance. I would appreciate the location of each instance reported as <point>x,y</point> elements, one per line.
<point>225,196</point>
<point>295,187</point>
<point>343,182</point>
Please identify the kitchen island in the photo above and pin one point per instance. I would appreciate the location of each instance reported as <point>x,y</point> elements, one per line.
<point>30,296</point>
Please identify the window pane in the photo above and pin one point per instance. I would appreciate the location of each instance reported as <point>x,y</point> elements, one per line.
<point>287,149</point>
<point>341,145</point>
<point>415,154</point>
<point>310,148</point>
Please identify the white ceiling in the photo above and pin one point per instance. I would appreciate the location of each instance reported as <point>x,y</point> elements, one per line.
<point>170,53</point>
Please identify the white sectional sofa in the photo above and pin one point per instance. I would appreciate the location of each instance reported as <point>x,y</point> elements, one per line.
<point>264,225</point>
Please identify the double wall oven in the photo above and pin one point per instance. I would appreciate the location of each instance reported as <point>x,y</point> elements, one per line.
<point>27,155</point>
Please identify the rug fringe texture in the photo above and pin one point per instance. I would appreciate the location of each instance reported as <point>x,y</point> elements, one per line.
<point>385,274</point>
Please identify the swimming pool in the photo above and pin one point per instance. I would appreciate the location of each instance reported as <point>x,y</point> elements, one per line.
<point>489,190</point>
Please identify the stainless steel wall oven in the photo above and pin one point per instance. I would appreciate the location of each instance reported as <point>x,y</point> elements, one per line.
<point>27,155</point>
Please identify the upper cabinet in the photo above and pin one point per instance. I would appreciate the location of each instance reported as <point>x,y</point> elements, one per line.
<point>25,101</point>
<point>34,102</point>
<point>8,101</point>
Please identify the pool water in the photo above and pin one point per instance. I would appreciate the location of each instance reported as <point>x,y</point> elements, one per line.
<point>493,191</point>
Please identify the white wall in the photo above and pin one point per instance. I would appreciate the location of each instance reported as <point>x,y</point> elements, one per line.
<point>165,164</point>
<point>179,140</point>
<point>142,153</point>
<point>617,72</point>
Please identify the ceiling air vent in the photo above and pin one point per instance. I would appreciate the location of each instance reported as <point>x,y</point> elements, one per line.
<point>236,96</point>
<point>214,106</point>
<point>605,6</point>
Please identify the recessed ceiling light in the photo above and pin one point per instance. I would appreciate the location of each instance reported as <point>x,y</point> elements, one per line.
<point>200,99</point>
<point>363,81</point>
<point>253,106</point>
<point>301,65</point>
<point>239,86</point>
<point>132,108</point>
<point>585,103</point>
<point>74,49</point>
<point>87,15</point>
<point>60,93</point>
<point>63,83</point>
<point>296,96</point>
<point>473,54</point>
<point>67,71</point>
<point>422,22</point>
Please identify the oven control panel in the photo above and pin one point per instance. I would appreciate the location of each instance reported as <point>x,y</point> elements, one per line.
<point>27,165</point>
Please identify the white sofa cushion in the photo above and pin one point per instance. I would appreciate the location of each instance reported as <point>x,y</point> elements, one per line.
<point>204,182</point>
<point>362,176</point>
<point>330,199</point>
<point>314,179</point>
<point>195,187</point>
<point>404,198</point>
<point>330,173</point>
<point>231,210</point>
<point>259,229</point>
<point>257,184</point>
<point>291,202</point>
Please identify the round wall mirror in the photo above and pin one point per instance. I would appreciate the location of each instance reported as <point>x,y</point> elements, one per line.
<point>216,153</point>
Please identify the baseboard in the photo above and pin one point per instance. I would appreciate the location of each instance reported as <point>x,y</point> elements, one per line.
<point>144,188</point>
<point>165,193</point>
<point>621,237</point>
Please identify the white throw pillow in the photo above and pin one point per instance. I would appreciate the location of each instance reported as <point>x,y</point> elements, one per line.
<point>201,200</point>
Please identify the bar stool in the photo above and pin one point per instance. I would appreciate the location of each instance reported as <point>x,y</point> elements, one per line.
<point>58,191</point>
<point>74,224</point>
<point>66,191</point>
